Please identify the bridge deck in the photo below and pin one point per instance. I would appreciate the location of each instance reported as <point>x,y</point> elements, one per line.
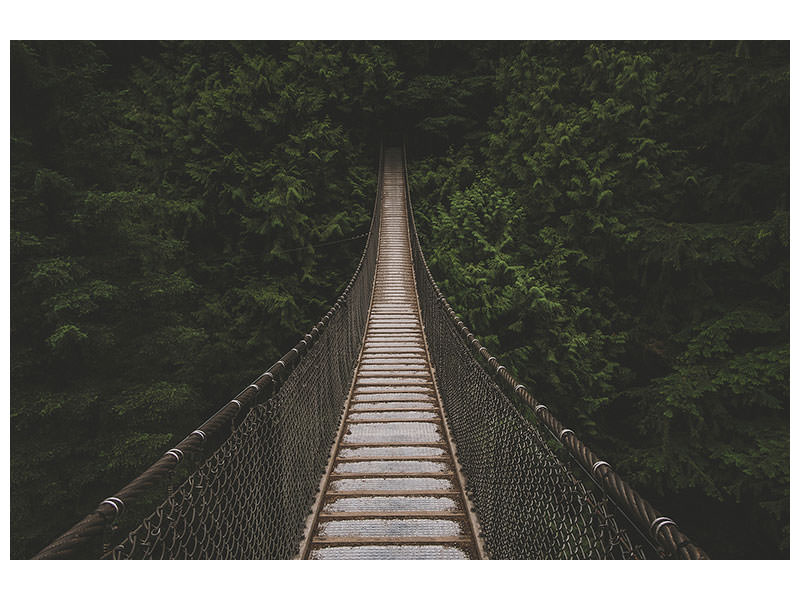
<point>393,491</point>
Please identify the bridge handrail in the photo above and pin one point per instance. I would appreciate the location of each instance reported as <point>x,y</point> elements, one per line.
<point>659,528</point>
<point>76,542</point>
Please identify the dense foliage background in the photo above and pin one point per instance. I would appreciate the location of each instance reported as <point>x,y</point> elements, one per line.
<point>610,218</point>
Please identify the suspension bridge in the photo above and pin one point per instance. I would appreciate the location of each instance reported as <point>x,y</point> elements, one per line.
<point>387,432</point>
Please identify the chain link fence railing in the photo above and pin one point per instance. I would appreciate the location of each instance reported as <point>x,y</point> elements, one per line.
<point>251,472</point>
<point>538,491</point>
<point>254,468</point>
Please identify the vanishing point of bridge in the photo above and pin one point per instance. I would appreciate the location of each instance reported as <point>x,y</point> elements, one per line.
<point>393,491</point>
<point>388,431</point>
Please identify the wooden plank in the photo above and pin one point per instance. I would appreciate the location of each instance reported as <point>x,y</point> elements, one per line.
<point>438,444</point>
<point>355,408</point>
<point>384,474</point>
<point>405,541</point>
<point>405,514</point>
<point>373,492</point>
<point>439,458</point>
<point>361,421</point>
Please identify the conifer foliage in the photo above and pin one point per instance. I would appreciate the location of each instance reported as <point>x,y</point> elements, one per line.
<point>625,245</point>
<point>610,218</point>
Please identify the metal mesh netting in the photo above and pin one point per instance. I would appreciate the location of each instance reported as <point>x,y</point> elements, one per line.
<point>249,497</point>
<point>529,505</point>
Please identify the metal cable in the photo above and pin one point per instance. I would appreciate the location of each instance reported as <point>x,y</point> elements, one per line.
<point>529,503</point>
<point>255,468</point>
<point>257,465</point>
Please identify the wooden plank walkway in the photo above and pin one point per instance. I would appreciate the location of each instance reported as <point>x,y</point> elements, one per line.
<point>392,490</point>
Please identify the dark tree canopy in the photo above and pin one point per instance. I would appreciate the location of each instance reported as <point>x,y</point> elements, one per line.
<point>611,218</point>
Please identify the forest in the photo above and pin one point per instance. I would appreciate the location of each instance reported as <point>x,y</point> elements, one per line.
<point>610,218</point>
